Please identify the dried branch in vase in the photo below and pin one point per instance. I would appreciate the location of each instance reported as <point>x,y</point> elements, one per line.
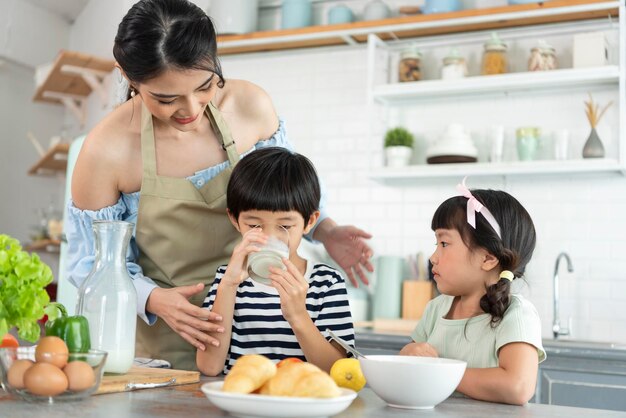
<point>594,114</point>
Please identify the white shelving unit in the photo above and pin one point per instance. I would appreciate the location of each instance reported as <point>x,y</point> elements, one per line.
<point>393,97</point>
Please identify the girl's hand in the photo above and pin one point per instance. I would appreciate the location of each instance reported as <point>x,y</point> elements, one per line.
<point>419,349</point>
<point>292,288</point>
<point>236,270</point>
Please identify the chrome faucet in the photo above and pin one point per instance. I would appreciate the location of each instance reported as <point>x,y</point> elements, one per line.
<point>556,323</point>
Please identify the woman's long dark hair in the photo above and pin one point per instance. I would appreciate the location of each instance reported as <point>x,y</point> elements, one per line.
<point>156,35</point>
<point>514,250</point>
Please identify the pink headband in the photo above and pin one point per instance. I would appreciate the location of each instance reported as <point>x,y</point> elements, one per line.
<point>473,206</point>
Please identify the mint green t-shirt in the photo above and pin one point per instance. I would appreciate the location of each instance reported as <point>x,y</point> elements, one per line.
<point>478,343</point>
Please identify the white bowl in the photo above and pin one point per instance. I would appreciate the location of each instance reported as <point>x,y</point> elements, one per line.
<point>412,382</point>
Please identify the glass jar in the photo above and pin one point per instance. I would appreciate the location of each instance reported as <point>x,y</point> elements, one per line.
<point>542,57</point>
<point>549,57</point>
<point>494,57</point>
<point>454,66</point>
<point>108,299</point>
<point>409,68</point>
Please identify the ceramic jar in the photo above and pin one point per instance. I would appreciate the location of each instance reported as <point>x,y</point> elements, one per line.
<point>376,10</point>
<point>340,14</point>
<point>296,14</point>
<point>234,16</point>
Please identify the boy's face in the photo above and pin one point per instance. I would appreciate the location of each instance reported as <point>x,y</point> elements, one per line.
<point>275,224</point>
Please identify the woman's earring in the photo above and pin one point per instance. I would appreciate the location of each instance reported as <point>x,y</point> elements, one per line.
<point>133,92</point>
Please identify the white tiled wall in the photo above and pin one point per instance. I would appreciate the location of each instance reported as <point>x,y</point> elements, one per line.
<point>321,94</point>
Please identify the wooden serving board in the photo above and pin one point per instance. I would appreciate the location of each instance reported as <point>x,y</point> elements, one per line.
<point>145,378</point>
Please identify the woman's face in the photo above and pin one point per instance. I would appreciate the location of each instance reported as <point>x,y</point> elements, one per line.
<point>179,97</point>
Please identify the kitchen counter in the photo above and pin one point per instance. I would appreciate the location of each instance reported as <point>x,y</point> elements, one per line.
<point>190,402</point>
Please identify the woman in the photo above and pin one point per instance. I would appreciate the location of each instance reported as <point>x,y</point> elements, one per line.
<point>162,160</point>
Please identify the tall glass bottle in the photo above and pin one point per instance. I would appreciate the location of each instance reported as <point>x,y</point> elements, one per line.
<point>108,298</point>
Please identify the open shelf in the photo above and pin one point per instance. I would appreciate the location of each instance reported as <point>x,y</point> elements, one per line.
<point>44,245</point>
<point>55,159</point>
<point>61,77</point>
<point>419,25</point>
<point>524,81</point>
<point>511,168</point>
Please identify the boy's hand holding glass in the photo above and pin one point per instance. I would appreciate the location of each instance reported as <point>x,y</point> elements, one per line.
<point>270,254</point>
<point>292,288</point>
<point>251,242</point>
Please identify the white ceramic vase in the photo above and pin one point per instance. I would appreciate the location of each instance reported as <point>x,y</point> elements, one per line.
<point>398,156</point>
<point>234,16</point>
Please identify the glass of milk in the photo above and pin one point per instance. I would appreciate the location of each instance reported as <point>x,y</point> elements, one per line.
<point>269,255</point>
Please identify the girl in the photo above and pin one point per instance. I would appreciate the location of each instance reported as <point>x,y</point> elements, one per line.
<point>485,239</point>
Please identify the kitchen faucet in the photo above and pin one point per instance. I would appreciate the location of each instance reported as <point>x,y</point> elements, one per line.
<point>556,323</point>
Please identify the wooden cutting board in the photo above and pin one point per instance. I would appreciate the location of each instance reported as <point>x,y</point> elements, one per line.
<point>144,378</point>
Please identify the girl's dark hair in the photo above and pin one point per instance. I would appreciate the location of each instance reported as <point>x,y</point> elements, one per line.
<point>156,35</point>
<point>273,179</point>
<point>513,251</point>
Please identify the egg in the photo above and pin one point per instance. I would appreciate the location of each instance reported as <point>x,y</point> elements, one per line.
<point>80,375</point>
<point>45,379</point>
<point>52,350</point>
<point>16,373</point>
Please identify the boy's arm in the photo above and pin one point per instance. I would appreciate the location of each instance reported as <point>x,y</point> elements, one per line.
<point>513,382</point>
<point>211,361</point>
<point>316,348</point>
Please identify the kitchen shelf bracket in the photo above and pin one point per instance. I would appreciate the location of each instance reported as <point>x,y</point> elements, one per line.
<point>76,104</point>
<point>94,78</point>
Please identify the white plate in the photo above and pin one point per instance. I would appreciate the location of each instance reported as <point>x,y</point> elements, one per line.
<point>276,406</point>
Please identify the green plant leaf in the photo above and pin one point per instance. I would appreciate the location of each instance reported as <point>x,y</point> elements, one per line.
<point>398,137</point>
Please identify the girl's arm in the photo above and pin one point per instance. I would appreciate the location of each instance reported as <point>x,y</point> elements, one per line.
<point>513,382</point>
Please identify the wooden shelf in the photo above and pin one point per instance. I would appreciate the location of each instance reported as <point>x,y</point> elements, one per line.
<point>44,245</point>
<point>419,25</point>
<point>501,83</point>
<point>55,159</point>
<point>398,176</point>
<point>67,83</point>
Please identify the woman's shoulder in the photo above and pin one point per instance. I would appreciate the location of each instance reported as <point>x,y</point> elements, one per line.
<point>117,130</point>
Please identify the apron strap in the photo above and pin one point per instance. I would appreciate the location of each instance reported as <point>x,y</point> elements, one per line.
<point>221,128</point>
<point>148,153</point>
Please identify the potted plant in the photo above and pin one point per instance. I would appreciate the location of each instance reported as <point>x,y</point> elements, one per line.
<point>23,296</point>
<point>398,147</point>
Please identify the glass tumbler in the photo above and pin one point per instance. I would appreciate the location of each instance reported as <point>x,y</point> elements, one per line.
<point>269,255</point>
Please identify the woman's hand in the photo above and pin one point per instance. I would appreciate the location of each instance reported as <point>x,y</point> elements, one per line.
<point>292,288</point>
<point>419,349</point>
<point>236,271</point>
<point>186,319</point>
<point>346,245</point>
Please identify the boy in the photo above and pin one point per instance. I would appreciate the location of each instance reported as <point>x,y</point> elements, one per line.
<point>273,190</point>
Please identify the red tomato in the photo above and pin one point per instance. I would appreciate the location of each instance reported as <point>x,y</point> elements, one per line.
<point>9,341</point>
<point>288,360</point>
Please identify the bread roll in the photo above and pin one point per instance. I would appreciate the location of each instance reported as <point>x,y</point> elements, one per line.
<point>249,373</point>
<point>300,380</point>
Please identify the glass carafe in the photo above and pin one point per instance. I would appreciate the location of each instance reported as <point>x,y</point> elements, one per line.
<point>108,298</point>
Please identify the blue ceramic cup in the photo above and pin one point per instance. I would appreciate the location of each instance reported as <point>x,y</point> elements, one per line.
<point>340,14</point>
<point>296,14</point>
<point>441,6</point>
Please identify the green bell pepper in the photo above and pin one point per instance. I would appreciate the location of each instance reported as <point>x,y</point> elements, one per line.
<point>74,330</point>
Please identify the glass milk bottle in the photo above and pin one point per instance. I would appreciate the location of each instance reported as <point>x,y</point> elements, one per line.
<point>108,298</point>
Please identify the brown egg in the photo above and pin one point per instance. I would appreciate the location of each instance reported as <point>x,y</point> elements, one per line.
<point>52,350</point>
<point>45,379</point>
<point>80,375</point>
<point>16,373</point>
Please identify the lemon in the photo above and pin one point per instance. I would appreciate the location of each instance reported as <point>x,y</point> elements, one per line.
<point>346,372</point>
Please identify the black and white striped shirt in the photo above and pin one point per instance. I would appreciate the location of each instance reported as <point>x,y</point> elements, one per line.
<point>259,326</point>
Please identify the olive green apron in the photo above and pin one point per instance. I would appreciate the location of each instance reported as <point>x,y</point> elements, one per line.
<point>183,234</point>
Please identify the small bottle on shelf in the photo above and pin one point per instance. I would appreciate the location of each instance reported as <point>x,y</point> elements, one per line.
<point>454,66</point>
<point>494,57</point>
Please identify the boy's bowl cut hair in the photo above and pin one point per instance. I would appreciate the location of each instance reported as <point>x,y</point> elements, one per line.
<point>273,179</point>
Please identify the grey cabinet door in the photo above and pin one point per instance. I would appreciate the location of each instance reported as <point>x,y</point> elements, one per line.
<point>584,389</point>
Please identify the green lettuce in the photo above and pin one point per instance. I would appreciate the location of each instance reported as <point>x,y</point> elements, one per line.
<point>23,296</point>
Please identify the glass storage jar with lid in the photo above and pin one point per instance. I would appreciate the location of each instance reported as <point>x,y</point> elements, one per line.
<point>542,57</point>
<point>454,66</point>
<point>409,68</point>
<point>494,57</point>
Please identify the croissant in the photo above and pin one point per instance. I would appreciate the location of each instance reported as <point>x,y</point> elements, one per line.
<point>301,380</point>
<point>249,373</point>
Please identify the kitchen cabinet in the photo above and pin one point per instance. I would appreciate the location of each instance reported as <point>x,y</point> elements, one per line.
<point>394,100</point>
